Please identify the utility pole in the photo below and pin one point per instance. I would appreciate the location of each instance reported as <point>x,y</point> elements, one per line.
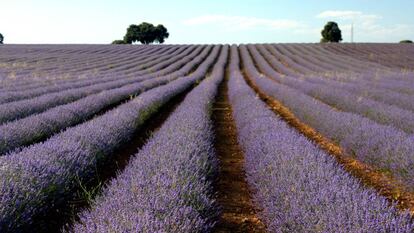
<point>352,32</point>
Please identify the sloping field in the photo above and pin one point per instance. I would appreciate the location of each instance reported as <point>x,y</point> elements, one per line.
<point>207,138</point>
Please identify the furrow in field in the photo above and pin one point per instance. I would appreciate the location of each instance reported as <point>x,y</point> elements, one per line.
<point>391,188</point>
<point>299,187</point>
<point>144,66</point>
<point>39,180</point>
<point>60,77</point>
<point>233,194</point>
<point>19,109</point>
<point>174,175</point>
<point>41,126</point>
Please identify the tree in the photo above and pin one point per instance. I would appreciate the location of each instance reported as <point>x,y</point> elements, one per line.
<point>119,42</point>
<point>406,42</point>
<point>146,33</point>
<point>331,33</point>
<point>161,33</point>
<point>1,38</point>
<point>131,34</point>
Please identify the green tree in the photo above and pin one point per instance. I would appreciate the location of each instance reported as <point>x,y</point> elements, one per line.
<point>131,34</point>
<point>161,33</point>
<point>406,41</point>
<point>119,42</point>
<point>146,33</point>
<point>1,38</point>
<point>331,33</point>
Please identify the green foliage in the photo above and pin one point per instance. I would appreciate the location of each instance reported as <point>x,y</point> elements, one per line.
<point>331,33</point>
<point>131,34</point>
<point>1,38</point>
<point>146,33</point>
<point>86,193</point>
<point>406,42</point>
<point>119,42</point>
<point>161,33</point>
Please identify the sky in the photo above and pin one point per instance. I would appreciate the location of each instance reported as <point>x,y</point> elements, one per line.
<point>204,22</point>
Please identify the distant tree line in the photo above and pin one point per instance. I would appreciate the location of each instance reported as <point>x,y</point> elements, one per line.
<point>146,33</point>
<point>406,42</point>
<point>1,38</point>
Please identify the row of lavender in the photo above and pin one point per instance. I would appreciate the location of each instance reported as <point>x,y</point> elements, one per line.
<point>35,59</point>
<point>324,61</point>
<point>386,91</point>
<point>370,76</point>
<point>167,185</point>
<point>299,187</point>
<point>313,61</point>
<point>335,95</point>
<point>48,60</point>
<point>382,146</point>
<point>392,55</point>
<point>390,88</point>
<point>22,108</point>
<point>56,71</point>
<point>137,68</point>
<point>39,179</point>
<point>127,64</point>
<point>39,126</point>
<point>140,68</point>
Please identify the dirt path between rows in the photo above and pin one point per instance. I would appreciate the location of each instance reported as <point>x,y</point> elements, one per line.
<point>238,213</point>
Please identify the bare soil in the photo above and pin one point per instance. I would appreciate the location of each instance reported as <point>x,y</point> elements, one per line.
<point>238,211</point>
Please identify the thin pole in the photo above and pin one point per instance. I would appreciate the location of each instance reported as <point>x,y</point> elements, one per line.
<point>352,32</point>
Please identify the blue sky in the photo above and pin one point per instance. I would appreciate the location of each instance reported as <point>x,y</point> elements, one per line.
<point>213,21</point>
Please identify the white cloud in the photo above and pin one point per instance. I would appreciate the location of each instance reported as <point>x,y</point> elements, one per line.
<point>242,22</point>
<point>338,14</point>
<point>367,27</point>
<point>345,15</point>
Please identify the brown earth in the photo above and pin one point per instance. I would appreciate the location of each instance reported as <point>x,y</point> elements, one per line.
<point>238,212</point>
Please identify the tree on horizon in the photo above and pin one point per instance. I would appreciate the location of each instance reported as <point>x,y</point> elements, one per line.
<point>331,33</point>
<point>146,33</point>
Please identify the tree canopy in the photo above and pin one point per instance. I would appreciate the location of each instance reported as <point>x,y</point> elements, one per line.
<point>1,38</point>
<point>406,41</point>
<point>331,33</point>
<point>146,33</point>
<point>119,42</point>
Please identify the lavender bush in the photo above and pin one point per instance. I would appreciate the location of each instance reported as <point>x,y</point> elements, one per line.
<point>375,90</point>
<point>16,110</point>
<point>382,146</point>
<point>40,178</point>
<point>144,66</point>
<point>50,64</point>
<point>299,187</point>
<point>167,185</point>
<point>341,99</point>
<point>40,126</point>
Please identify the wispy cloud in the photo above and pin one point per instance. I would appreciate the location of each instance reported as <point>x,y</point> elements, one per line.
<point>367,26</point>
<point>345,15</point>
<point>243,22</point>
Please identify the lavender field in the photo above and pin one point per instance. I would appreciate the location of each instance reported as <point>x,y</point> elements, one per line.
<point>207,138</point>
